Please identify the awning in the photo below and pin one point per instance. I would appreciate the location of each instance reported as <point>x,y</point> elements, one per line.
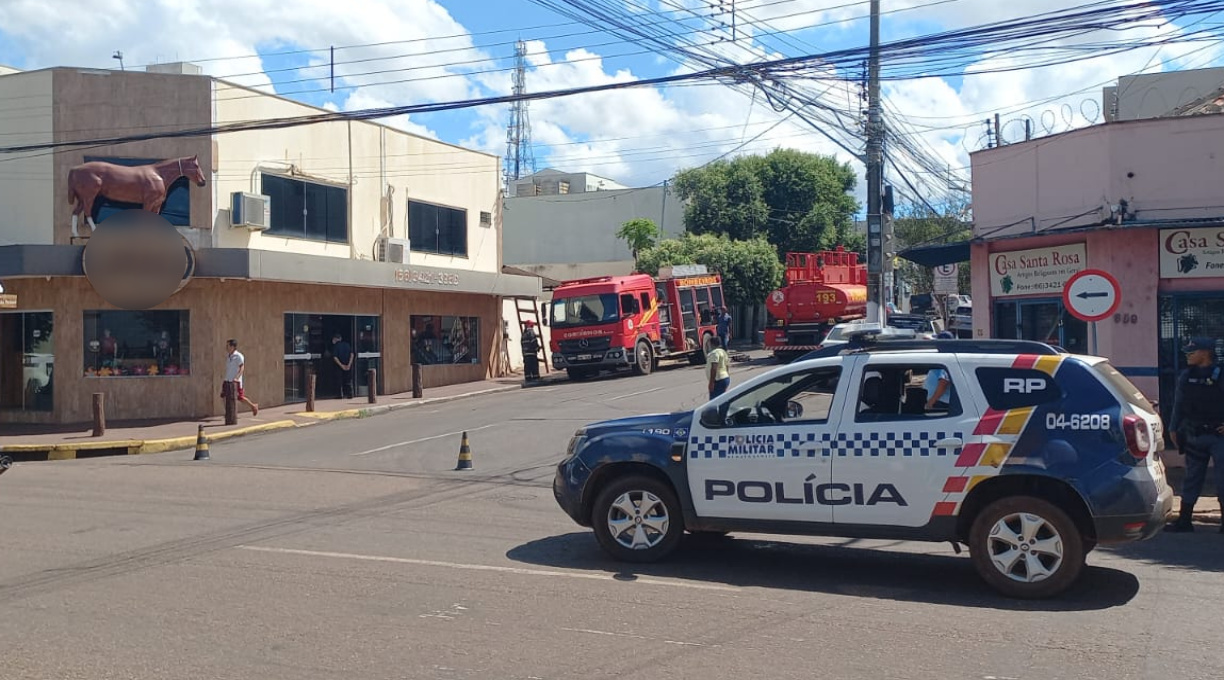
<point>933,256</point>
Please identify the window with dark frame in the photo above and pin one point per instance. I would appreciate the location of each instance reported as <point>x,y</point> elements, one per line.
<point>440,340</point>
<point>136,343</point>
<point>437,229</point>
<point>306,210</point>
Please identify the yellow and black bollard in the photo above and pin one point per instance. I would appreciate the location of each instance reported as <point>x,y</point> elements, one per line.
<point>465,455</point>
<point>201,452</point>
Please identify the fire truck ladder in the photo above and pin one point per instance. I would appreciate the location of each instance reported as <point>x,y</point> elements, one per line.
<point>531,313</point>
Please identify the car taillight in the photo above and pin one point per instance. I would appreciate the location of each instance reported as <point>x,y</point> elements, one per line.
<point>1138,437</point>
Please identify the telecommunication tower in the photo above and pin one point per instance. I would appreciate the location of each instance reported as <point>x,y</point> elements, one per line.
<point>520,159</point>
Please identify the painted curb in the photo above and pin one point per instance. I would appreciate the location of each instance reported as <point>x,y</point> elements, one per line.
<point>134,447</point>
<point>150,446</point>
<point>387,408</point>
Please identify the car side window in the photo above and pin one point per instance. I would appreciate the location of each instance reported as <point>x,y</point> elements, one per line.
<point>798,397</point>
<point>901,392</point>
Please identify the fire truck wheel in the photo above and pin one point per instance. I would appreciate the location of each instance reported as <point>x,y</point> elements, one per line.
<point>643,358</point>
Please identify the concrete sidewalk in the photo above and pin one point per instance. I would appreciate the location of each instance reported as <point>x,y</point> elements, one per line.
<point>43,442</point>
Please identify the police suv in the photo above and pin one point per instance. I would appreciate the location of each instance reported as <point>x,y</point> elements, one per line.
<point>1029,456</point>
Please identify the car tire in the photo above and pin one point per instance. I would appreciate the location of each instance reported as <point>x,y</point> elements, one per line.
<point>626,533</point>
<point>1014,541</point>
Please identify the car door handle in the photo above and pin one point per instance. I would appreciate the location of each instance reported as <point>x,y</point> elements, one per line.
<point>951,443</point>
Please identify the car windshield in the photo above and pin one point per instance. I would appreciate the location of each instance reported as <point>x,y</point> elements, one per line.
<point>909,323</point>
<point>1125,387</point>
<point>585,310</point>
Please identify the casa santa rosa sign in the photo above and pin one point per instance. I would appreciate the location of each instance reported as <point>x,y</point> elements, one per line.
<point>1192,253</point>
<point>1036,271</point>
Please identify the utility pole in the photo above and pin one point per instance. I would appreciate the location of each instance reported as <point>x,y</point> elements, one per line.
<point>875,178</point>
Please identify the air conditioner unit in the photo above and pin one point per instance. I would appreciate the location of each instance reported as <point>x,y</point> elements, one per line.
<point>253,211</point>
<point>393,250</point>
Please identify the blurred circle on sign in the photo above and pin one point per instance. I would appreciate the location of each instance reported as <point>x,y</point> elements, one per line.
<point>136,260</point>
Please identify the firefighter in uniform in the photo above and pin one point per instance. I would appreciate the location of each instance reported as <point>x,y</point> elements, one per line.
<point>531,348</point>
<point>1197,426</point>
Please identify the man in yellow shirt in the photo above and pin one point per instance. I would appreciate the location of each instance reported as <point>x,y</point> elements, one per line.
<point>718,368</point>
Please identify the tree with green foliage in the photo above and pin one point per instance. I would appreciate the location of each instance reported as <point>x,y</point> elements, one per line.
<point>798,201</point>
<point>750,269</point>
<point>639,234</point>
<point>917,227</point>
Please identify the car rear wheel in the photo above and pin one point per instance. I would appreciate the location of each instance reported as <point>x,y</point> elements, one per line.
<point>637,519</point>
<point>1026,547</point>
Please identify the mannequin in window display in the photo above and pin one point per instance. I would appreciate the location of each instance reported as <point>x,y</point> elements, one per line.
<point>110,348</point>
<point>161,351</point>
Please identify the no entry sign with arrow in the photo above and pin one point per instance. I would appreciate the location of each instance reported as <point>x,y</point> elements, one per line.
<point>1092,295</point>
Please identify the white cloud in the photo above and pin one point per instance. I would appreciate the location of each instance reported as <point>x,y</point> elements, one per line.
<point>636,135</point>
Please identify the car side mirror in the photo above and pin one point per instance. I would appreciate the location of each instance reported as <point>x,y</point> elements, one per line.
<point>544,314</point>
<point>711,418</point>
<point>794,409</point>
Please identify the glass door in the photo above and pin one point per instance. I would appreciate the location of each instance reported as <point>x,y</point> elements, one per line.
<point>1043,320</point>
<point>27,361</point>
<point>303,349</point>
<point>369,353</point>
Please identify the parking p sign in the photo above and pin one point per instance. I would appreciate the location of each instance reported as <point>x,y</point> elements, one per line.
<point>946,279</point>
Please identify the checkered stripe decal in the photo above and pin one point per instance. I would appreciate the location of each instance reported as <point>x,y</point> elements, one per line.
<point>890,444</point>
<point>812,445</point>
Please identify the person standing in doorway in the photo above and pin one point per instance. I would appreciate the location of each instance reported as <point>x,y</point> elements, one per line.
<point>1197,426</point>
<point>235,369</point>
<point>531,349</point>
<point>342,355</point>
<point>718,368</point>
<point>724,327</point>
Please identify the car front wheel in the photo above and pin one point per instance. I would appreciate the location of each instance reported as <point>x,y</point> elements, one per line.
<point>637,519</point>
<point>1026,547</point>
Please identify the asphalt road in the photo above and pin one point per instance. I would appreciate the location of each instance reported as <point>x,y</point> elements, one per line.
<point>352,550</point>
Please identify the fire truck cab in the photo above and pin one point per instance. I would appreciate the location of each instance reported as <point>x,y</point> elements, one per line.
<point>634,321</point>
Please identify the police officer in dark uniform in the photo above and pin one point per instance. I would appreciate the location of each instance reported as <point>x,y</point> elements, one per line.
<point>1197,426</point>
<point>531,347</point>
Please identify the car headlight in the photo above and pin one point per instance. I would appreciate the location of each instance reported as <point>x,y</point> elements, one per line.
<point>574,441</point>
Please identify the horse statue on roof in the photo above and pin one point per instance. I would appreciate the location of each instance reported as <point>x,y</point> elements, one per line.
<point>145,185</point>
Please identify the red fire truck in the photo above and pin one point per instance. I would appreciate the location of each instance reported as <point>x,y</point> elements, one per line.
<point>634,321</point>
<point>822,289</point>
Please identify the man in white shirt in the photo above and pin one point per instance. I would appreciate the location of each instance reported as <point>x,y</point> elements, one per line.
<point>235,367</point>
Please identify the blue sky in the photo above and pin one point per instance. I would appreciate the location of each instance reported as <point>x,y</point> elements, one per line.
<point>393,52</point>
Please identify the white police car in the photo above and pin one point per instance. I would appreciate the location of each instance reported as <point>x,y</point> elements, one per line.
<point>1029,456</point>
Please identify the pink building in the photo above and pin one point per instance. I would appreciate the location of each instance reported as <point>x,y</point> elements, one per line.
<point>1142,200</point>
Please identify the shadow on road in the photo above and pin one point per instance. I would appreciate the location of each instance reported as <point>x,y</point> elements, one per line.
<point>833,569</point>
<point>1202,550</point>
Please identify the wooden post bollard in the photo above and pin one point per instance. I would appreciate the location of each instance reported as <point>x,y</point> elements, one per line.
<point>311,379</point>
<point>99,414</point>
<point>231,402</point>
<point>417,390</point>
<point>372,385</point>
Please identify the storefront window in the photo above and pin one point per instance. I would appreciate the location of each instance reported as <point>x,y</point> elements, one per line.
<point>1042,320</point>
<point>123,343</point>
<point>27,358</point>
<point>445,340</point>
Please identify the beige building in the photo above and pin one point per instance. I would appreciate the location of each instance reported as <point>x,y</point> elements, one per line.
<point>391,240</point>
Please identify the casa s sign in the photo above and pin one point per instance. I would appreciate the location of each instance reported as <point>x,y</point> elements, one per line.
<point>137,260</point>
<point>1192,253</point>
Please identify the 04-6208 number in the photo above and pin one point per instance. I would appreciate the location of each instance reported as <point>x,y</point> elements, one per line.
<point>1077,421</point>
